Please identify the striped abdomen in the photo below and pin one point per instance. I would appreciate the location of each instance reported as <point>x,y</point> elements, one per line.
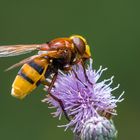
<point>29,77</point>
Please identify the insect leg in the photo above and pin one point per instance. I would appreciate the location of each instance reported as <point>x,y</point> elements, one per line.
<point>78,78</point>
<point>55,98</point>
<point>80,61</point>
<point>85,73</point>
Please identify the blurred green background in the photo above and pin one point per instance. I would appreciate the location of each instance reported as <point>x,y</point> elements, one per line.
<point>112,28</point>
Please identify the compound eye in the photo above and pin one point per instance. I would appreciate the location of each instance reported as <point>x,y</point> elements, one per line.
<point>79,44</point>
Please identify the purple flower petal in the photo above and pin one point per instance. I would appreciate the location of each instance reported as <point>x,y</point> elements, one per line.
<point>83,100</point>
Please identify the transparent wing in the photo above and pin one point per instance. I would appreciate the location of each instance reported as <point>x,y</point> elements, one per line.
<point>47,55</point>
<point>22,62</point>
<point>13,50</point>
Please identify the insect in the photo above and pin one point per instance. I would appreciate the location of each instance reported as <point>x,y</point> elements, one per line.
<point>60,53</point>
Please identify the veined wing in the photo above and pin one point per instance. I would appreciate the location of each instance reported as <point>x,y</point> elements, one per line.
<point>13,50</point>
<point>22,62</point>
<point>49,54</point>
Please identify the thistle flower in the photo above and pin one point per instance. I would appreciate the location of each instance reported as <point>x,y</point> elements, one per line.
<point>98,128</point>
<point>85,101</point>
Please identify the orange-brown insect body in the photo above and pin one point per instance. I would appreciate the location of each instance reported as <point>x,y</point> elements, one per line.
<point>61,43</point>
<point>60,53</point>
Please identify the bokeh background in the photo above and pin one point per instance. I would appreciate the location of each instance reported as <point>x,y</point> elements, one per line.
<point>112,28</point>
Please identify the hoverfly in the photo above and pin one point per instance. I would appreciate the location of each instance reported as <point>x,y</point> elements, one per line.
<point>60,53</point>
